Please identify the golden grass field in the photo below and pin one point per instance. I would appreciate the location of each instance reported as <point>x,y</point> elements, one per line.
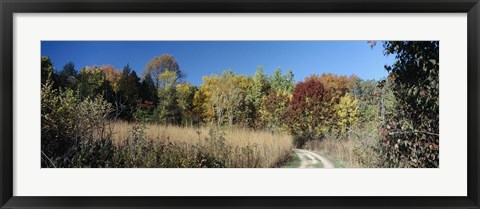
<point>244,147</point>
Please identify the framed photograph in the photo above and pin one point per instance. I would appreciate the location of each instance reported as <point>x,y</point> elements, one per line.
<point>239,104</point>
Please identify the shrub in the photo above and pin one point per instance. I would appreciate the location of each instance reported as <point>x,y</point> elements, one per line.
<point>69,123</point>
<point>411,135</point>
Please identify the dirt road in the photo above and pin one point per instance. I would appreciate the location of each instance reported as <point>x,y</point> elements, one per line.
<point>310,159</point>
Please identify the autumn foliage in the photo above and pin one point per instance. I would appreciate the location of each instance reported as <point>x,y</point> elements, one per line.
<point>310,111</point>
<point>399,114</point>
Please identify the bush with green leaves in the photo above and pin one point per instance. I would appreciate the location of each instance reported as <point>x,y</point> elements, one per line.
<point>411,136</point>
<point>68,123</point>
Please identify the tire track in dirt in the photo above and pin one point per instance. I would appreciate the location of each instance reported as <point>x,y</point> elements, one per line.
<point>309,159</point>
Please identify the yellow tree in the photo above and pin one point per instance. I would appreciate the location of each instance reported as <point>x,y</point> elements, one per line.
<point>200,106</point>
<point>204,99</point>
<point>167,79</point>
<point>185,98</point>
<point>347,112</point>
<point>225,97</point>
<point>184,90</point>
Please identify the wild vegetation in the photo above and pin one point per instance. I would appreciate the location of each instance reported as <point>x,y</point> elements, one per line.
<point>101,116</point>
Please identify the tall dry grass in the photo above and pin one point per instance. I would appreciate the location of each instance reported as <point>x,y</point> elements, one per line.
<point>357,148</point>
<point>232,147</point>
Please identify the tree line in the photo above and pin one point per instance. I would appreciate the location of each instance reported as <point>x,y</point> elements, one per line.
<point>275,102</point>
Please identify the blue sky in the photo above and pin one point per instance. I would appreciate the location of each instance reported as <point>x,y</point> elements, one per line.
<point>200,58</point>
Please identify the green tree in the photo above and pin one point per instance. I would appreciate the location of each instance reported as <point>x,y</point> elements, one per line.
<point>148,91</point>
<point>47,70</point>
<point>67,77</point>
<point>256,91</point>
<point>167,110</point>
<point>69,69</point>
<point>282,83</point>
<point>128,94</point>
<point>412,138</point>
<point>367,94</point>
<point>259,87</point>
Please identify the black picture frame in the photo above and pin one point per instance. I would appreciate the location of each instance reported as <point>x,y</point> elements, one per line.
<point>9,7</point>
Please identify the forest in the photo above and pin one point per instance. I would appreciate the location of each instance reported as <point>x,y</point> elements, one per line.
<point>104,117</point>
